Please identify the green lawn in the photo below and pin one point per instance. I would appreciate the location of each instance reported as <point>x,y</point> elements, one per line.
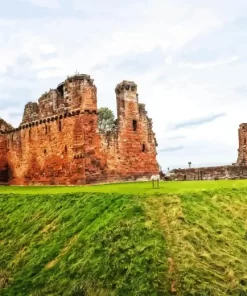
<point>186,238</point>
<point>129,188</point>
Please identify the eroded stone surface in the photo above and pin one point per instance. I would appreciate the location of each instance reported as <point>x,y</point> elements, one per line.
<point>58,140</point>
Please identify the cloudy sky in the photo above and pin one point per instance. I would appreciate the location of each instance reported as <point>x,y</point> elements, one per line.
<point>188,57</point>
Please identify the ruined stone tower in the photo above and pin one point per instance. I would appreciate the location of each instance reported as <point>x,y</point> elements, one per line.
<point>136,137</point>
<point>58,140</point>
<point>242,142</point>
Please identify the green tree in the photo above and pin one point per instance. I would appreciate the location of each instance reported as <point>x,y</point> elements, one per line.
<point>106,120</point>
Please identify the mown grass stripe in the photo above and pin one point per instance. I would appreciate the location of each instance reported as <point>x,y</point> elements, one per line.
<point>189,243</point>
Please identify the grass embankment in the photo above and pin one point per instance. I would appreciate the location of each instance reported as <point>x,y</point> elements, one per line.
<point>123,244</point>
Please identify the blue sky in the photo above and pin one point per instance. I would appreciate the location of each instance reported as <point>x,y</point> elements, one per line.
<point>189,59</point>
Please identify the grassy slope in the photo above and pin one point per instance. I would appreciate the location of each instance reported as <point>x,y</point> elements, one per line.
<point>71,244</point>
<point>116,244</point>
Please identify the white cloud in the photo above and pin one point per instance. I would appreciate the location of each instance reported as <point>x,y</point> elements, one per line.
<point>49,73</point>
<point>209,65</point>
<point>47,48</point>
<point>45,3</point>
<point>149,37</point>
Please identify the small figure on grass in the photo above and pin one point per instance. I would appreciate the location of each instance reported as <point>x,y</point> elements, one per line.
<point>157,179</point>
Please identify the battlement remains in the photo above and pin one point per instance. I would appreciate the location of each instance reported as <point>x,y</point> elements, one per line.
<point>243,126</point>
<point>82,77</point>
<point>77,92</point>
<point>4,126</point>
<point>126,86</point>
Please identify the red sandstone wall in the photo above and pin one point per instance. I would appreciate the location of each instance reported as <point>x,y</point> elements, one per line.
<point>132,153</point>
<point>3,160</point>
<point>58,141</point>
<point>4,128</point>
<point>63,151</point>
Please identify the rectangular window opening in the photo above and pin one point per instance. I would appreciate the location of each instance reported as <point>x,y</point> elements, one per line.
<point>134,125</point>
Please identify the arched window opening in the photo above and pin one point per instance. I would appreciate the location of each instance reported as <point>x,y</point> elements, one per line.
<point>46,130</point>
<point>60,126</point>
<point>143,147</point>
<point>134,124</point>
<point>245,141</point>
<point>66,149</point>
<point>45,151</point>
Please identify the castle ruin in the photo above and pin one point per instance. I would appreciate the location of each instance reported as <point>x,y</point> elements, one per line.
<point>242,138</point>
<point>58,141</point>
<point>237,170</point>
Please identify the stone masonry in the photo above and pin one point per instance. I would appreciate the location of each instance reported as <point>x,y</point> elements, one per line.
<point>58,141</point>
<point>210,173</point>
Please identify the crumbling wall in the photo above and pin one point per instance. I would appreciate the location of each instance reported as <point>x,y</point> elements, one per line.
<point>4,126</point>
<point>55,151</point>
<point>3,161</point>
<point>4,172</point>
<point>51,103</point>
<point>31,112</point>
<point>58,140</point>
<point>80,93</point>
<point>210,173</point>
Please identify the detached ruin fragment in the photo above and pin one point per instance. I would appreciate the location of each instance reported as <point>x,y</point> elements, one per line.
<point>237,170</point>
